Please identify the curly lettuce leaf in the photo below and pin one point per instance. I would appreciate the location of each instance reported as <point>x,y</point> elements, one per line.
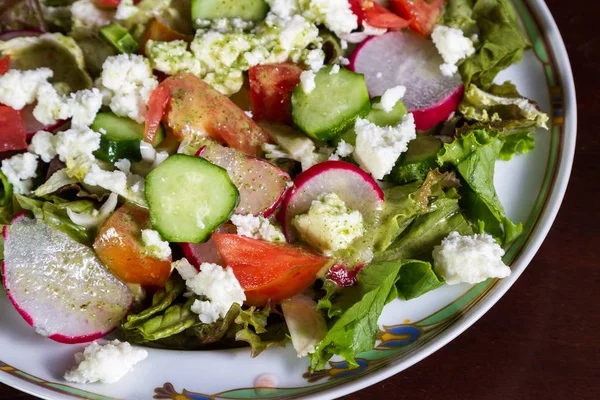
<point>406,202</point>
<point>162,299</point>
<point>500,43</point>
<point>54,212</point>
<point>359,308</point>
<point>518,143</point>
<point>474,156</point>
<point>253,323</point>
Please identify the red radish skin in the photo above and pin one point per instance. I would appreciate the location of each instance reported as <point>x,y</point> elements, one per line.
<point>404,58</point>
<point>198,253</point>
<point>20,33</point>
<point>262,185</point>
<point>58,285</point>
<point>353,185</point>
<point>343,276</point>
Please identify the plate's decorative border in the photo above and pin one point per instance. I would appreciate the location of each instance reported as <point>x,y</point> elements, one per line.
<point>394,341</point>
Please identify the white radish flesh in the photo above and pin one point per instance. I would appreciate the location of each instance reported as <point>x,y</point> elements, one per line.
<point>58,285</point>
<point>404,58</point>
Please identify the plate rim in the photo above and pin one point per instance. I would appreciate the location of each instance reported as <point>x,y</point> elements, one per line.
<point>549,29</point>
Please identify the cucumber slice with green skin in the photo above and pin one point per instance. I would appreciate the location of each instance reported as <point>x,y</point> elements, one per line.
<point>378,117</point>
<point>119,38</point>
<point>121,137</point>
<point>189,198</point>
<point>332,106</point>
<point>247,10</point>
<point>420,157</point>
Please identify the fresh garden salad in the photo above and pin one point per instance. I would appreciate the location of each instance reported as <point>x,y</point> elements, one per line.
<point>211,174</point>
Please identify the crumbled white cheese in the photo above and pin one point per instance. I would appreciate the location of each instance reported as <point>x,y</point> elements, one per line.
<point>343,150</point>
<point>19,170</point>
<point>184,268</point>
<point>329,225</point>
<point>249,114</point>
<point>390,97</point>
<point>219,285</point>
<point>81,106</point>
<point>123,165</point>
<point>257,228</point>
<point>20,88</point>
<point>470,259</point>
<point>344,44</point>
<point>114,181</point>
<point>224,25</point>
<point>377,148</point>
<point>343,61</point>
<point>127,81</point>
<point>453,46</point>
<point>336,15</point>
<point>42,144</point>
<point>105,363</point>
<point>154,245</point>
<point>335,69</point>
<point>76,142</point>
<point>307,81</point>
<point>315,59</point>
<point>126,10</point>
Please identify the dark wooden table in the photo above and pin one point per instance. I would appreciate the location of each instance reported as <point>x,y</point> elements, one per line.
<point>542,340</point>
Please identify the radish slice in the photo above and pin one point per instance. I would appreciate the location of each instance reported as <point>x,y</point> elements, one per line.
<point>404,58</point>
<point>198,253</point>
<point>261,184</point>
<point>353,185</point>
<point>21,33</point>
<point>58,285</point>
<point>343,276</point>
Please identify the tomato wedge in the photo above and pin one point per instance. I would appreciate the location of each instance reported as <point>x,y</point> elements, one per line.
<point>108,3</point>
<point>162,33</point>
<point>157,105</point>
<point>196,109</point>
<point>119,247</point>
<point>12,131</point>
<point>4,63</point>
<point>271,88</point>
<point>268,271</point>
<point>424,14</point>
<point>377,15</point>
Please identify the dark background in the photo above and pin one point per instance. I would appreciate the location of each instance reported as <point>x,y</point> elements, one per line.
<point>541,341</point>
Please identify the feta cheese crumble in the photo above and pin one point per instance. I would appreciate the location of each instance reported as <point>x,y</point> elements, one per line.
<point>329,225</point>
<point>114,181</point>
<point>19,170</point>
<point>127,82</point>
<point>307,80</point>
<point>335,69</point>
<point>20,88</point>
<point>257,228</point>
<point>377,148</point>
<point>453,46</point>
<point>76,142</point>
<point>219,285</point>
<point>87,17</point>
<point>470,259</point>
<point>154,245</point>
<point>105,363</point>
<point>42,144</point>
<point>343,150</point>
<point>389,98</point>
<point>126,10</point>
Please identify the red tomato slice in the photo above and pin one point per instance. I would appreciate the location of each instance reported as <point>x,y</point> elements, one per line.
<point>162,33</point>
<point>157,105</point>
<point>424,14</point>
<point>271,88</point>
<point>377,15</point>
<point>268,271</point>
<point>4,63</point>
<point>196,109</point>
<point>12,131</point>
<point>119,247</point>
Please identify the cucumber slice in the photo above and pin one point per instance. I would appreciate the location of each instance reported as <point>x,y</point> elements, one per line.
<point>121,137</point>
<point>378,117</point>
<point>247,10</point>
<point>332,106</point>
<point>119,38</point>
<point>189,198</point>
<point>420,157</point>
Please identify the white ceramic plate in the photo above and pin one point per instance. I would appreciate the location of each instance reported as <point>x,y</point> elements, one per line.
<point>531,187</point>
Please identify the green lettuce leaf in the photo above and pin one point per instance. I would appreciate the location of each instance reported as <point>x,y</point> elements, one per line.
<point>406,202</point>
<point>18,15</point>
<point>500,44</point>
<point>175,319</point>
<point>518,143</point>
<point>253,323</point>
<point>359,308</point>
<point>474,156</point>
<point>54,213</point>
<point>427,231</point>
<point>162,299</point>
